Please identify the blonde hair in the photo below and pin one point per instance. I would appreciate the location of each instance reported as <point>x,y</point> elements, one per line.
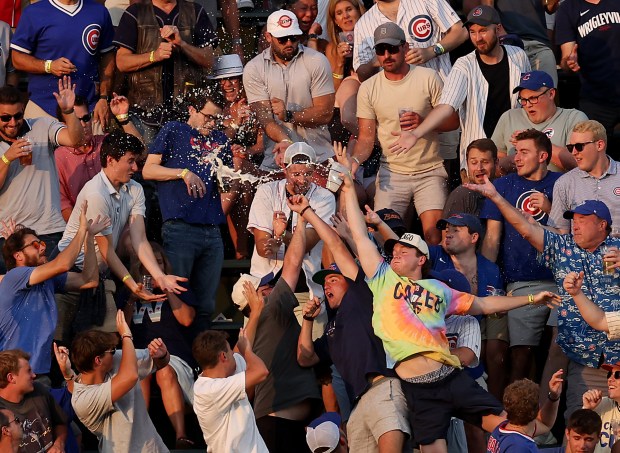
<point>597,129</point>
<point>332,28</point>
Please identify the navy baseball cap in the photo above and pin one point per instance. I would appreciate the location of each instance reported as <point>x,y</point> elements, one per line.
<point>589,207</point>
<point>534,80</point>
<point>483,15</point>
<point>320,276</point>
<point>391,218</point>
<point>461,219</point>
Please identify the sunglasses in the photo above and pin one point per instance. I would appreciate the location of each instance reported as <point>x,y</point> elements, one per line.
<point>392,50</point>
<point>37,244</point>
<point>578,146</point>
<point>111,351</point>
<point>293,39</point>
<point>86,118</point>
<point>6,118</point>
<point>615,374</point>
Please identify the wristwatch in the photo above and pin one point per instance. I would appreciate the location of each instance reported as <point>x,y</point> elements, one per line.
<point>288,117</point>
<point>313,36</point>
<point>439,49</point>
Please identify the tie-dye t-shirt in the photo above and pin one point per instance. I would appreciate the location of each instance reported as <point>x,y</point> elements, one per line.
<point>409,315</point>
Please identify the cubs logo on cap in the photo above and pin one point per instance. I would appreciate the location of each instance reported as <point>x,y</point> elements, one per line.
<point>483,15</point>
<point>477,12</point>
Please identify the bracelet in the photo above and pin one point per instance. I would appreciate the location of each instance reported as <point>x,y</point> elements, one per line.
<point>152,56</point>
<point>287,140</point>
<point>308,318</point>
<point>356,160</point>
<point>237,41</point>
<point>122,122</point>
<point>5,160</point>
<point>553,400</point>
<point>313,36</point>
<point>530,299</point>
<point>127,335</point>
<point>107,98</point>
<point>126,277</point>
<point>122,116</point>
<point>48,66</point>
<point>301,213</point>
<point>68,112</point>
<point>183,173</point>
<point>337,76</point>
<point>70,378</point>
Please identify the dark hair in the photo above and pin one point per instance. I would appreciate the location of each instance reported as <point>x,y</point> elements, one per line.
<point>10,95</point>
<point>118,143</point>
<point>207,347</point>
<point>90,344</point>
<point>585,421</point>
<point>4,421</point>
<point>521,401</point>
<point>541,141</point>
<point>14,243</point>
<point>483,144</point>
<point>9,363</point>
<point>80,101</point>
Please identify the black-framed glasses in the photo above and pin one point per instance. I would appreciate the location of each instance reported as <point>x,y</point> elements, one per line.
<point>207,116</point>
<point>292,38</point>
<point>15,420</point>
<point>6,118</point>
<point>532,99</point>
<point>578,146</point>
<point>391,49</point>
<point>86,118</point>
<point>37,244</point>
<point>615,374</point>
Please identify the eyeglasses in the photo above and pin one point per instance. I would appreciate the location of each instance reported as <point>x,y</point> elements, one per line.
<point>615,374</point>
<point>306,174</point>
<point>6,118</point>
<point>284,39</point>
<point>578,146</point>
<point>37,244</point>
<point>208,117</point>
<point>111,351</point>
<point>392,50</point>
<point>532,99</point>
<point>86,118</point>
<point>15,420</point>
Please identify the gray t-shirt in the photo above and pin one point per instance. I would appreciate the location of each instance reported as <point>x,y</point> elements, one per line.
<point>525,18</point>
<point>123,426</point>
<point>558,128</point>
<point>276,344</point>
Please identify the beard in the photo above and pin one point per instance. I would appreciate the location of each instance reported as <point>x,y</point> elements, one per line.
<point>487,48</point>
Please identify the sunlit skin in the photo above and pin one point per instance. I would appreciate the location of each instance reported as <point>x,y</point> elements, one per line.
<point>588,231</point>
<point>581,443</point>
<point>405,260</point>
<point>457,239</point>
<point>231,88</point>
<point>588,158</point>
<point>299,178</point>
<point>480,164</point>
<point>544,108</point>
<point>120,171</point>
<point>392,63</point>
<point>483,38</point>
<point>204,120</point>
<point>334,288</point>
<point>613,385</point>
<point>32,256</point>
<point>24,377</point>
<point>346,15</point>
<point>285,52</point>
<point>529,161</point>
<point>10,130</point>
<point>306,12</point>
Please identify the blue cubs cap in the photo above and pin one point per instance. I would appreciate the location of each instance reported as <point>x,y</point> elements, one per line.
<point>589,207</point>
<point>320,276</point>
<point>534,80</point>
<point>461,219</point>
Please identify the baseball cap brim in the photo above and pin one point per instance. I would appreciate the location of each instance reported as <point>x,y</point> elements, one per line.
<point>293,31</point>
<point>320,276</point>
<point>390,41</point>
<point>388,246</point>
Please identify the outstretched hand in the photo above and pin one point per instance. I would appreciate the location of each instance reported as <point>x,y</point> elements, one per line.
<point>487,188</point>
<point>66,94</point>
<point>547,298</point>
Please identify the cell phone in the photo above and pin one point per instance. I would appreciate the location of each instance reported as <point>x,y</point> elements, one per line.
<point>347,36</point>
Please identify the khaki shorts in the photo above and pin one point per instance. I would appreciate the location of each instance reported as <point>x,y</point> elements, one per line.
<point>494,327</point>
<point>526,324</point>
<point>428,190</point>
<point>381,409</point>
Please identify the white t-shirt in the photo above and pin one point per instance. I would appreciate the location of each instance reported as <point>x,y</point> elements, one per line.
<point>225,414</point>
<point>271,197</point>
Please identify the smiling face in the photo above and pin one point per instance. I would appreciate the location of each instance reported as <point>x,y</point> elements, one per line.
<point>346,15</point>
<point>335,287</point>
<point>528,160</point>
<point>589,231</point>
<point>10,129</point>
<point>306,12</point>
<point>299,178</point>
<point>231,88</point>
<point>589,156</point>
<point>479,164</point>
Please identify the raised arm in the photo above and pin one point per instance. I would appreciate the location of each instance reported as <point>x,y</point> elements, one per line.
<point>592,313</point>
<point>296,250</point>
<point>127,375</point>
<point>549,411</point>
<point>534,233</point>
<point>256,371</point>
<point>306,356</point>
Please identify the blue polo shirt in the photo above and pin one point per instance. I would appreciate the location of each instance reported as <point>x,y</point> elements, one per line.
<point>349,341</point>
<point>182,146</point>
<point>580,342</point>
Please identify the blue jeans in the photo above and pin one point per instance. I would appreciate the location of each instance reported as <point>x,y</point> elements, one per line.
<point>196,252</point>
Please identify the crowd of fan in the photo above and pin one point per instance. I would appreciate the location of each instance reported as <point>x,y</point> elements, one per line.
<point>139,143</point>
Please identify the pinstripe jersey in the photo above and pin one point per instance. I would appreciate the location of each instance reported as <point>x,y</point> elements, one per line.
<point>425,22</point>
<point>466,90</point>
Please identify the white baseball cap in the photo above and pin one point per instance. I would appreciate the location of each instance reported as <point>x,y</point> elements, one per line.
<point>283,23</point>
<point>324,432</point>
<point>237,293</point>
<point>299,149</point>
<point>410,240</point>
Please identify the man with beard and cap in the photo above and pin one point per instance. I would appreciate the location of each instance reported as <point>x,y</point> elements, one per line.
<point>290,88</point>
<point>378,420</point>
<point>583,250</point>
<point>479,85</point>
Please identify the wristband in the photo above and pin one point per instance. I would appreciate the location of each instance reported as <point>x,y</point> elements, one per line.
<point>70,378</point>
<point>108,98</point>
<point>126,335</point>
<point>122,116</point>
<point>530,299</point>
<point>287,140</point>
<point>553,400</point>
<point>237,41</point>
<point>48,66</point>
<point>301,214</point>
<point>126,277</point>
<point>308,318</point>
<point>68,112</point>
<point>356,160</point>
<point>183,173</point>
<point>5,160</point>
<point>313,36</point>
<point>337,76</point>
<point>152,56</point>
